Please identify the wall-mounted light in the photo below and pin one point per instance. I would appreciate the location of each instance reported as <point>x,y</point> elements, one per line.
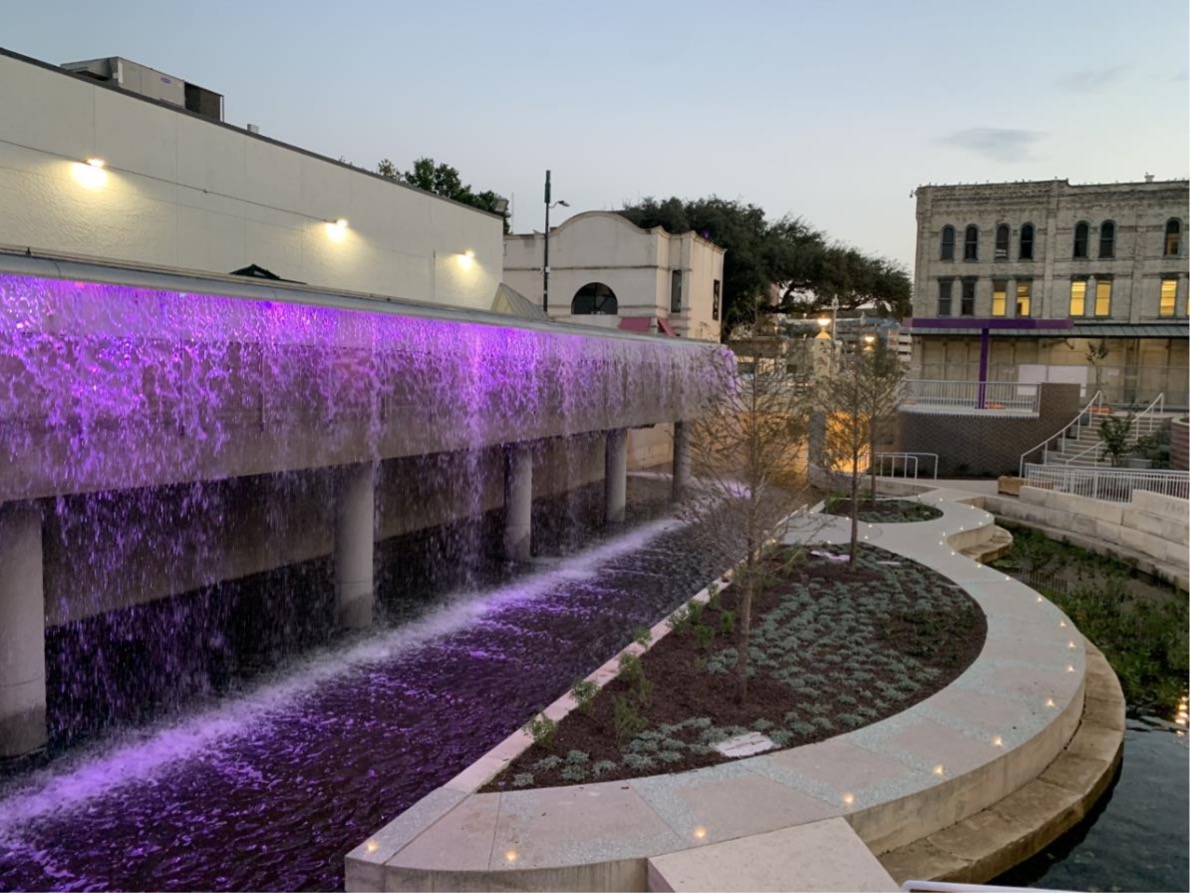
<point>90,172</point>
<point>337,229</point>
<point>467,259</point>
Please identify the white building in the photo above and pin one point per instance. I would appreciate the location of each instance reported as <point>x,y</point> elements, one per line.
<point>91,167</point>
<point>605,269</point>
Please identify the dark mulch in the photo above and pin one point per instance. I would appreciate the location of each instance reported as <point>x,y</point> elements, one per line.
<point>884,510</point>
<point>833,648</point>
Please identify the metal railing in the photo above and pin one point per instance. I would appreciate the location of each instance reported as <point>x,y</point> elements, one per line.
<point>1106,483</point>
<point>1084,419</point>
<point>1148,421</point>
<point>971,395</point>
<point>909,463</point>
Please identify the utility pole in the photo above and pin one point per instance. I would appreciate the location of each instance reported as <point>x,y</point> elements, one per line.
<point>546,260</point>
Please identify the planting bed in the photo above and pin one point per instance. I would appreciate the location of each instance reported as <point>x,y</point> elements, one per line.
<point>833,648</point>
<point>884,510</point>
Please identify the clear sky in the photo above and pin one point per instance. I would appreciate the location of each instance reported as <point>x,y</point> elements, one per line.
<point>829,110</point>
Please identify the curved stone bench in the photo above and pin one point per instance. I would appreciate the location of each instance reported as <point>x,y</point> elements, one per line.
<point>992,730</point>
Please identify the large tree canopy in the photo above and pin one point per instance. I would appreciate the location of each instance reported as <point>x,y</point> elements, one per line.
<point>442,180</point>
<point>806,267</point>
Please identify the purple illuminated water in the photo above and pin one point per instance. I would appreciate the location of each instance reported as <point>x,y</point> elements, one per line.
<point>209,728</point>
<point>270,789</point>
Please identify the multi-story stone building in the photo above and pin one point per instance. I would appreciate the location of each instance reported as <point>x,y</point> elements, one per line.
<point>1049,282</point>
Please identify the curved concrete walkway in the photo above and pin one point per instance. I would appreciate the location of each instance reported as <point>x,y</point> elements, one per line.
<point>985,735</point>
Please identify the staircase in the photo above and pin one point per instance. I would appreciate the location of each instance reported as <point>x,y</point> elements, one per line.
<point>1078,443</point>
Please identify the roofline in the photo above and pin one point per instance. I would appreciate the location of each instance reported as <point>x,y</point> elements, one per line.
<point>23,262</point>
<point>659,229</point>
<point>1062,180</point>
<point>181,110</point>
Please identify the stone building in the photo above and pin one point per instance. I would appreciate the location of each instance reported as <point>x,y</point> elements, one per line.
<point>1049,282</point>
<point>604,269</point>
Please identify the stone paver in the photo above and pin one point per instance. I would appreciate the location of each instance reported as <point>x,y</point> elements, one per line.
<point>826,856</point>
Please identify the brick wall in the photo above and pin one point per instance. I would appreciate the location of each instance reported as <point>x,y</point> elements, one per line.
<point>986,444</point>
<point>1178,445</point>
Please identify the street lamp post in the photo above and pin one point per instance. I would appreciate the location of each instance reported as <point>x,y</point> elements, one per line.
<point>546,251</point>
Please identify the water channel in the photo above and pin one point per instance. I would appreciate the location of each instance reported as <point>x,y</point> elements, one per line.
<point>266,785</point>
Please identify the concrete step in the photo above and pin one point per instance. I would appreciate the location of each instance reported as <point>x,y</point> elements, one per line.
<point>996,544</point>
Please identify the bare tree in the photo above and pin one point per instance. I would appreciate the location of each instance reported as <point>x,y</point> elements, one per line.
<point>747,462</point>
<point>858,395</point>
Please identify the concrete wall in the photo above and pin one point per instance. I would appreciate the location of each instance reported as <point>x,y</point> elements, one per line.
<point>124,548</point>
<point>1139,210</point>
<point>181,191</point>
<point>604,247</point>
<point>984,443</point>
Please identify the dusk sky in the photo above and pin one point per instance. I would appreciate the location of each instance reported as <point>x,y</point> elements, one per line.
<point>833,111</point>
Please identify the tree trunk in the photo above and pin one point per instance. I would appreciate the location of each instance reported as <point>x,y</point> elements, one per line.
<point>855,505</point>
<point>872,469</point>
<point>744,613</point>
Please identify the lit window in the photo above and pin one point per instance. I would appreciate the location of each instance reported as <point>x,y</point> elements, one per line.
<point>1026,249</point>
<point>1103,298</point>
<point>1108,238</point>
<point>1080,250</point>
<point>1171,246</point>
<point>944,298</point>
<point>1000,292</point>
<point>715,299</point>
<point>1168,297</point>
<point>971,242</point>
<point>947,244</point>
<point>1079,295</point>
<point>676,292</point>
<point>967,303</point>
<point>1002,249</point>
<point>1023,298</point>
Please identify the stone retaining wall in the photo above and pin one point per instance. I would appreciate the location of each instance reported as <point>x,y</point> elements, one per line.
<point>1178,445</point>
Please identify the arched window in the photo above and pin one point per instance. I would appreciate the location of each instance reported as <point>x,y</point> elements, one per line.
<point>971,242</point>
<point>1173,231</point>
<point>594,298</point>
<point>1080,249</point>
<point>1108,238</point>
<point>1025,250</point>
<point>1001,252</point>
<point>947,244</point>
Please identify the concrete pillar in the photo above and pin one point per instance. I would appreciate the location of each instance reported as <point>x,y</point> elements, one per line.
<point>682,459</point>
<point>518,501</point>
<point>355,533</point>
<point>616,467</point>
<point>22,631</point>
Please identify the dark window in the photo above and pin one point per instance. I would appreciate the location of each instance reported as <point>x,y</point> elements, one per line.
<point>971,242</point>
<point>1108,238</point>
<point>1026,249</point>
<point>594,298</point>
<point>967,303</point>
<point>1171,245</point>
<point>944,298</point>
<point>676,292</point>
<point>1080,249</point>
<point>1002,249</point>
<point>947,245</point>
<point>715,299</point>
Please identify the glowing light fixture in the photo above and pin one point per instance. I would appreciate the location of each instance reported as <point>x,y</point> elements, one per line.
<point>510,856</point>
<point>938,770</point>
<point>700,832</point>
<point>337,229</point>
<point>1070,669</point>
<point>998,742</point>
<point>90,174</point>
<point>824,322</point>
<point>848,798</point>
<point>1050,703</point>
<point>371,845</point>
<point>467,259</point>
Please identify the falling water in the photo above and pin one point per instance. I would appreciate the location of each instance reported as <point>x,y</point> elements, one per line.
<point>181,449</point>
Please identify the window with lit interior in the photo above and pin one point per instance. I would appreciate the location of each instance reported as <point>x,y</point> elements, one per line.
<point>1103,306</point>
<point>1023,298</point>
<point>1000,298</point>
<point>1077,306</point>
<point>1168,297</point>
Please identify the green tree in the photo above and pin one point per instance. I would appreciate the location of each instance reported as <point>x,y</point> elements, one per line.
<point>442,180</point>
<point>807,269</point>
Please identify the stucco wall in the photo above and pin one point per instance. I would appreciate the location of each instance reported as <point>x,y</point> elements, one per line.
<point>185,192</point>
<point>984,443</point>
<point>636,264</point>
